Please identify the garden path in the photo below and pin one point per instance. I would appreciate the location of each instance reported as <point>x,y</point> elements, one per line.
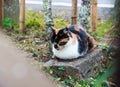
<point>18,71</point>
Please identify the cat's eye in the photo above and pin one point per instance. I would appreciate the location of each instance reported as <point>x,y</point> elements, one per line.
<point>62,43</point>
<point>65,31</point>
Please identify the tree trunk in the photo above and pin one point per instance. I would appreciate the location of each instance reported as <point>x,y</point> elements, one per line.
<point>74,11</point>
<point>94,15</point>
<point>48,14</point>
<point>22,16</point>
<point>11,9</point>
<point>0,12</point>
<point>117,13</point>
<point>48,19</point>
<point>85,14</point>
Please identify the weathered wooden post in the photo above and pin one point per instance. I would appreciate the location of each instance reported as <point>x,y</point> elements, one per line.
<point>94,15</point>
<point>22,16</point>
<point>74,12</point>
<point>48,14</point>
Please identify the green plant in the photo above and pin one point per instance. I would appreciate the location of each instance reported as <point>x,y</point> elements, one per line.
<point>104,46</point>
<point>7,22</point>
<point>104,27</point>
<point>101,79</point>
<point>49,70</point>
<point>34,19</point>
<point>61,68</point>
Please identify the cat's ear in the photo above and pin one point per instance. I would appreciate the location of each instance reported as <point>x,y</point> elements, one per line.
<point>52,34</point>
<point>65,30</point>
<point>52,29</point>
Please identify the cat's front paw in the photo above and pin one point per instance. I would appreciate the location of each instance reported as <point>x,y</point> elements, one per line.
<point>53,56</point>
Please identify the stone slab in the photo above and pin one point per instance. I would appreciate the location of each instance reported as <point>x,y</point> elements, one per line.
<point>81,68</point>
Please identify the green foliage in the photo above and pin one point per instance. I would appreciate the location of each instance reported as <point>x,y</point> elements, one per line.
<point>49,70</point>
<point>105,27</point>
<point>88,83</point>
<point>61,68</point>
<point>7,22</point>
<point>104,46</point>
<point>100,79</point>
<point>70,80</point>
<point>34,19</point>
<point>60,23</point>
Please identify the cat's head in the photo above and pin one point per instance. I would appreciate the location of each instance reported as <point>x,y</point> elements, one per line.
<point>60,37</point>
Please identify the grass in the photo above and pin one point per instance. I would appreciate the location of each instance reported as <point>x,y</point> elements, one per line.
<point>105,27</point>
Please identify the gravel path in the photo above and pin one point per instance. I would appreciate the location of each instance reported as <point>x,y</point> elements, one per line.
<point>16,70</point>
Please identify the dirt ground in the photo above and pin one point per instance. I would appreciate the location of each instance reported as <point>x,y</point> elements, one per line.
<point>16,70</point>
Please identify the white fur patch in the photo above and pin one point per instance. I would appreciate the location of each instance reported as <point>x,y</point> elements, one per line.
<point>69,51</point>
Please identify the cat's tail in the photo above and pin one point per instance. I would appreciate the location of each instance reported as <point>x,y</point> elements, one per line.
<point>91,43</point>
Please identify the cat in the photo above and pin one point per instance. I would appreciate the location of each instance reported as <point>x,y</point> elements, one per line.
<point>72,42</point>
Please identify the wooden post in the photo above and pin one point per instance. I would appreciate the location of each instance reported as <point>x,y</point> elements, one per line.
<point>74,12</point>
<point>0,12</point>
<point>94,15</point>
<point>22,16</point>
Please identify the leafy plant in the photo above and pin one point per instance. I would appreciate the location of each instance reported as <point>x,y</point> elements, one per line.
<point>104,46</point>
<point>104,27</point>
<point>7,22</point>
<point>61,68</point>
<point>34,19</point>
<point>100,79</point>
<point>49,70</point>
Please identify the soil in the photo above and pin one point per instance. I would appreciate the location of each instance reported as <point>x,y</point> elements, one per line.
<point>16,70</point>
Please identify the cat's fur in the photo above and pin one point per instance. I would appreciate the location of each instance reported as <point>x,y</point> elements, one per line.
<point>72,42</point>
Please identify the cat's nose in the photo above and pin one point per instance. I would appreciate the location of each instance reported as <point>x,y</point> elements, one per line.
<point>56,46</point>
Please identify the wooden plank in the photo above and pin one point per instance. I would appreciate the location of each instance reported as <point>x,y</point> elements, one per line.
<point>22,16</point>
<point>94,15</point>
<point>74,11</point>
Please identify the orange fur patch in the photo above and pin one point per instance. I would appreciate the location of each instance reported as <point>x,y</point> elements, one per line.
<point>56,31</point>
<point>64,40</point>
<point>74,36</point>
<point>91,40</point>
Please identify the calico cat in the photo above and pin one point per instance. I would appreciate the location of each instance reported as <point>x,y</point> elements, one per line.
<point>72,42</point>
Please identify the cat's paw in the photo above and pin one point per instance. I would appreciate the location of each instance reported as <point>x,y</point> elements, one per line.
<point>53,56</point>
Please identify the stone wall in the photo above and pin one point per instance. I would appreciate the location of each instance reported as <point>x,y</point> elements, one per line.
<point>11,9</point>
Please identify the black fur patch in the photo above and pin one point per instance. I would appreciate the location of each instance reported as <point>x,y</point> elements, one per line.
<point>62,34</point>
<point>83,41</point>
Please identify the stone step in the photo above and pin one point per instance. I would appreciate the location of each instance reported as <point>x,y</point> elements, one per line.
<point>81,68</point>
